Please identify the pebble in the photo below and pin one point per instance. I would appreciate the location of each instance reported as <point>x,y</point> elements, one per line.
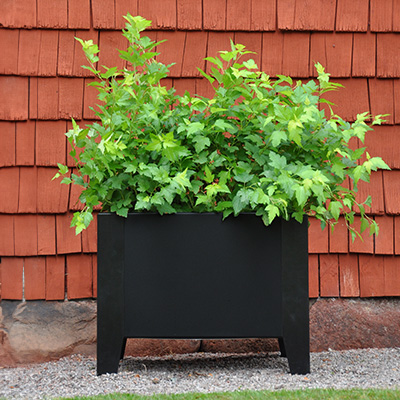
<point>202,372</point>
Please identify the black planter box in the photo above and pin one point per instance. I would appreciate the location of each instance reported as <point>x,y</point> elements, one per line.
<point>195,276</point>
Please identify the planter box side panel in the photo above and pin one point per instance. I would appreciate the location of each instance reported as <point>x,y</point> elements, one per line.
<point>196,276</point>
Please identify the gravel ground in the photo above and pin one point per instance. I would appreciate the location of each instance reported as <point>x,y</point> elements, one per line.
<point>202,372</point>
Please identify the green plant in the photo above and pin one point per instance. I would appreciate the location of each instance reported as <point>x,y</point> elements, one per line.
<point>258,145</point>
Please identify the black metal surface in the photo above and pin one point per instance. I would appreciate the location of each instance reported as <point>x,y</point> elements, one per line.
<point>110,302</point>
<point>296,339</point>
<point>194,276</point>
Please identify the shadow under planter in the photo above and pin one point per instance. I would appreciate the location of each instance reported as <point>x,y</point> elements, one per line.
<point>195,276</point>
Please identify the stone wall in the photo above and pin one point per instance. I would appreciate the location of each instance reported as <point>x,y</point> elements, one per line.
<point>39,331</point>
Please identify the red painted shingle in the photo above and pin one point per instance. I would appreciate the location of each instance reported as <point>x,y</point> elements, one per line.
<point>94,258</point>
<point>384,142</point>
<point>381,15</point>
<point>396,90</point>
<point>90,100</point>
<point>79,14</point>
<point>55,278</point>
<point>286,14</point>
<point>7,144</point>
<point>350,100</point>
<point>313,276</point>
<point>66,46</point>
<point>329,275</point>
<point>364,46</point>
<point>384,242</point>
<point>388,55</point>
<point>52,196</point>
<point>103,13</point>
<point>272,53</point>
<point>25,143</point>
<point>9,182</point>
<point>6,235</point>
<point>52,14</point>
<point>67,241</point>
<point>396,16</point>
<point>75,192</point>
<point>253,42</point>
<point>189,13</point>
<point>352,16</point>
<point>79,55</point>
<point>217,41</point>
<point>46,234</point>
<point>70,101</point>
<point>183,85</point>
<point>366,245</point>
<point>50,143</point>
<point>18,13</point>
<point>338,239</point>
<point>29,52</point>
<point>47,98</point>
<point>295,59</point>
<point>172,51</point>
<point>25,235</point>
<point>382,98</point>
<point>299,15</point>
<point>263,15</point>
<point>194,54</point>
<point>238,14</point>
<point>167,83</point>
<point>11,278</point>
<point>391,272</point>
<point>82,124</point>
<point>110,43</point>
<point>373,188</point>
<point>214,15</point>
<point>317,238</point>
<point>391,187</point>
<point>79,276</point>
<point>349,275</point>
<point>372,282</point>
<point>89,237</point>
<point>333,51</point>
<point>161,13</point>
<point>122,7</point>
<point>35,278</point>
<point>396,235</point>
<point>9,48</point>
<point>27,190</point>
<point>13,98</point>
<point>48,53</point>
<point>204,88</point>
<point>33,100</point>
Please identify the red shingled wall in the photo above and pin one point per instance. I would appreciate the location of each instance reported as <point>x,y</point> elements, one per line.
<point>42,86</point>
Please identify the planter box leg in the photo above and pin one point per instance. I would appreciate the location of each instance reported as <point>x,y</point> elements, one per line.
<point>282,347</point>
<point>109,352</point>
<point>297,353</point>
<point>296,336</point>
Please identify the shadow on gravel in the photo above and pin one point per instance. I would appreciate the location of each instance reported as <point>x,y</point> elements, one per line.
<point>204,362</point>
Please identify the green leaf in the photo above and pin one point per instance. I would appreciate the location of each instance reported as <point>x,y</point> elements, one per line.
<point>66,181</point>
<point>334,208</point>
<point>277,137</point>
<point>364,224</point>
<point>209,177</point>
<point>201,142</point>
<point>244,177</point>
<point>277,161</point>
<point>272,211</point>
<point>301,195</point>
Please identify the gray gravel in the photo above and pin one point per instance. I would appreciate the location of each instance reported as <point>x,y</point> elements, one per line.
<point>202,372</point>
